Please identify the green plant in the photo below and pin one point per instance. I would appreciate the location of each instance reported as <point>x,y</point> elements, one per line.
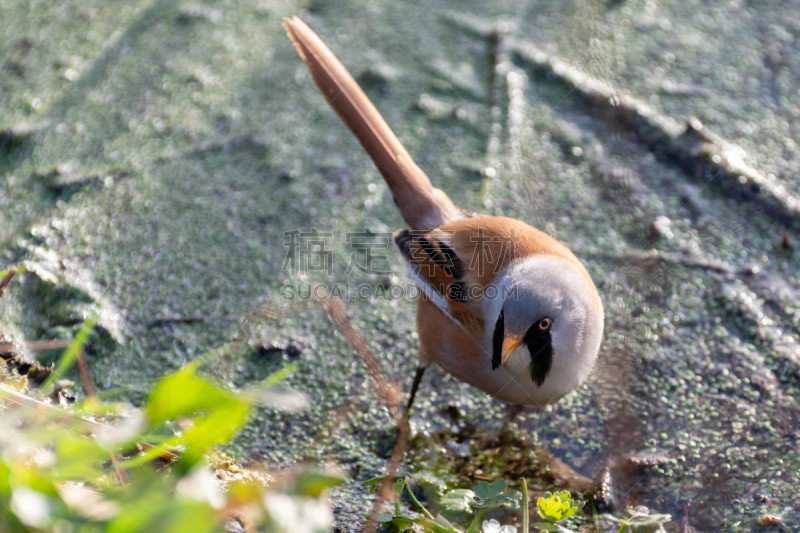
<point>100,466</point>
<point>490,496</point>
<point>108,467</point>
<point>555,508</point>
<point>457,505</point>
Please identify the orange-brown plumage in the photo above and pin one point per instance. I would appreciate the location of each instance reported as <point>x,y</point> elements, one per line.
<point>422,206</point>
<point>503,305</point>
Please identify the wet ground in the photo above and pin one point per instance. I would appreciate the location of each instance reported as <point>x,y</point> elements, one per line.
<point>163,160</point>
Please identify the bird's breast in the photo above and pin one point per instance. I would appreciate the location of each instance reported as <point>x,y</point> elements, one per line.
<point>464,353</point>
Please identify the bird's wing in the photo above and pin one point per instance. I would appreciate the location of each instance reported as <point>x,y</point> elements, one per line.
<point>454,263</point>
<point>422,206</point>
<point>438,270</point>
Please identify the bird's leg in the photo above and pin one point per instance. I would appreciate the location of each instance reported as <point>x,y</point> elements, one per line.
<point>403,426</point>
<point>414,387</point>
<point>514,412</point>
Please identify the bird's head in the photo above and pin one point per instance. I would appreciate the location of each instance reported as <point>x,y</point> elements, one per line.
<point>544,327</point>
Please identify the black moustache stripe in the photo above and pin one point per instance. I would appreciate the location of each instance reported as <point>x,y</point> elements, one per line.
<point>497,341</point>
<point>540,346</point>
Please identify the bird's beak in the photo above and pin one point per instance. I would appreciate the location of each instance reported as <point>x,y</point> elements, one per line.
<point>509,345</point>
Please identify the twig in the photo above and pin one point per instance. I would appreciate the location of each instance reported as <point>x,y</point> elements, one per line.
<point>686,523</point>
<point>385,491</point>
<point>656,256</point>
<point>23,400</point>
<point>699,152</point>
<point>164,320</point>
<point>6,280</point>
<point>34,346</point>
<point>86,377</point>
<point>388,394</point>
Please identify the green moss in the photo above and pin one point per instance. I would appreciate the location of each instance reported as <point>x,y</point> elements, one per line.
<point>162,150</point>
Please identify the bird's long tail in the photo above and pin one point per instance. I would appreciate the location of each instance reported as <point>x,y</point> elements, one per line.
<point>422,206</point>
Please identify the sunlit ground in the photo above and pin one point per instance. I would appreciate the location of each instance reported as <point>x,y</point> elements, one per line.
<point>158,158</point>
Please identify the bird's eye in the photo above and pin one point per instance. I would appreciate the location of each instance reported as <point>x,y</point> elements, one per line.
<point>545,323</point>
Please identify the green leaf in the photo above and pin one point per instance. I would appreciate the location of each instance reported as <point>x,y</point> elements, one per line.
<point>439,525</point>
<point>20,270</point>
<point>421,508</point>
<point>508,497</point>
<point>457,501</point>
<point>556,507</point>
<point>491,494</point>
<point>216,415</point>
<point>315,483</point>
<point>489,491</point>
<point>77,457</point>
<point>280,375</point>
<point>456,505</point>
<point>152,511</point>
<point>373,484</point>
<point>182,394</point>
<point>402,523</point>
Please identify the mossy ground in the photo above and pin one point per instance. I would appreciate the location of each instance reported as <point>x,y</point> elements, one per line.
<point>159,152</point>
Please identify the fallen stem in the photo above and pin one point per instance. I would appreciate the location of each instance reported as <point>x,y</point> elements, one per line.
<point>476,521</point>
<point>387,393</point>
<point>416,502</point>
<point>34,346</point>
<point>57,413</point>
<point>9,274</point>
<point>699,152</point>
<point>85,375</point>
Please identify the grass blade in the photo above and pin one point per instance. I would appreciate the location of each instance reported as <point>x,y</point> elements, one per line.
<point>526,519</point>
<point>68,357</point>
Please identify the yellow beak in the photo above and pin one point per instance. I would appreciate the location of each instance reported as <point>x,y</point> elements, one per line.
<point>509,345</point>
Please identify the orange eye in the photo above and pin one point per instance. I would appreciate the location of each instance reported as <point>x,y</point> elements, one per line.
<point>545,323</point>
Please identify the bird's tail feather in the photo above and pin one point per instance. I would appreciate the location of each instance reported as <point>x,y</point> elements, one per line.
<point>422,206</point>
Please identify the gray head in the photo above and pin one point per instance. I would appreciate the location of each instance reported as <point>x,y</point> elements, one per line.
<point>545,324</point>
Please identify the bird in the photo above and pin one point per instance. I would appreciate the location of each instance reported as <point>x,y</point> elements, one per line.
<point>503,306</point>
